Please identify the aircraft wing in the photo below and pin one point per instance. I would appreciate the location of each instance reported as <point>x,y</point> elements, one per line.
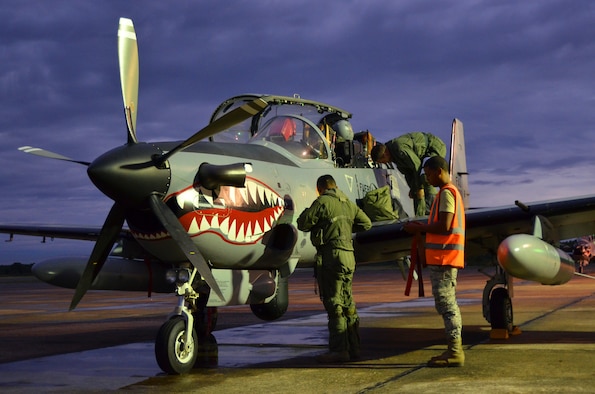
<point>486,227</point>
<point>387,240</point>
<point>570,218</point>
<point>57,231</point>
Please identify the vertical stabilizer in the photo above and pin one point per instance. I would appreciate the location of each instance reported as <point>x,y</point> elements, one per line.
<point>458,160</point>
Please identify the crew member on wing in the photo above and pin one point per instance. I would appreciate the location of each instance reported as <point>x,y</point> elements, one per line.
<point>408,153</point>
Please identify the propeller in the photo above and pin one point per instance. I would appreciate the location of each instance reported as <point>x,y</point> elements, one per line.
<point>136,175</point>
<point>235,116</point>
<point>128,62</point>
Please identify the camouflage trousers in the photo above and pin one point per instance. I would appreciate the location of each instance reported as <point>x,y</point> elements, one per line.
<point>334,274</point>
<point>444,284</point>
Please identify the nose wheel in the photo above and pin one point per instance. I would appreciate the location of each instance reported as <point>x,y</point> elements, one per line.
<point>176,354</point>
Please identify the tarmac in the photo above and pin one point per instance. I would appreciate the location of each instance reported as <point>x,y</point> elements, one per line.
<point>106,344</point>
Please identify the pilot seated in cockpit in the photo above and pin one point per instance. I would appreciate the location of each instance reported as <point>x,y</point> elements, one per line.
<point>282,129</point>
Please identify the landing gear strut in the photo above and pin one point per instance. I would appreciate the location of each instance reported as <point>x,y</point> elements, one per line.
<point>497,304</point>
<point>180,339</point>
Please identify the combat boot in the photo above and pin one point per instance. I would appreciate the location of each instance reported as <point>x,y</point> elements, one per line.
<point>454,356</point>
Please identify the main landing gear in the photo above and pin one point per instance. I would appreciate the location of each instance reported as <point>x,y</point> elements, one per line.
<point>497,305</point>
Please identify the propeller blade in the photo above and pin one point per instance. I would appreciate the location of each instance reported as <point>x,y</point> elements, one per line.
<point>234,117</point>
<point>128,57</point>
<point>177,232</point>
<point>50,155</point>
<point>107,237</point>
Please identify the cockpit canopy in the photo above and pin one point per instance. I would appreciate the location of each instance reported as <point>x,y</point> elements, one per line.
<point>315,112</point>
<point>307,129</point>
<point>296,134</point>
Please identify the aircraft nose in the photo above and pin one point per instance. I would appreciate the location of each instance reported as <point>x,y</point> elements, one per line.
<point>128,174</point>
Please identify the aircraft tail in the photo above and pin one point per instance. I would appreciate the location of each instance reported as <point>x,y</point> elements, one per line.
<point>458,160</point>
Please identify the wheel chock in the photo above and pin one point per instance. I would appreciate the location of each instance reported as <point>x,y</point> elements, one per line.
<point>503,333</point>
<point>499,333</point>
<point>515,331</point>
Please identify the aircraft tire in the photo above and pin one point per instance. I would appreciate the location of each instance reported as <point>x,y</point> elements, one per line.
<point>171,356</point>
<point>501,309</point>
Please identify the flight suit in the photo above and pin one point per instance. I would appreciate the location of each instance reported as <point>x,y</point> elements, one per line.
<point>332,219</point>
<point>408,152</point>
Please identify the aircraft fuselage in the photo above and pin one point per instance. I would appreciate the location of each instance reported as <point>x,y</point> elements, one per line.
<point>233,226</point>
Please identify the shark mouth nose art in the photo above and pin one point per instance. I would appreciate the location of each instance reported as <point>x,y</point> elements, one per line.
<point>238,215</point>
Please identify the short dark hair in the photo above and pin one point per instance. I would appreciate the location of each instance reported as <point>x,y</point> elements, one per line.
<point>377,151</point>
<point>436,162</point>
<point>326,182</point>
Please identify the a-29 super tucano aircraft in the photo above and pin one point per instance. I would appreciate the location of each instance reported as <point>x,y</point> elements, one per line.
<point>213,218</point>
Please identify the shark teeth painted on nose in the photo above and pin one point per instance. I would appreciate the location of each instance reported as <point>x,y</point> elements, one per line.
<point>252,196</point>
<point>239,215</point>
<point>150,237</point>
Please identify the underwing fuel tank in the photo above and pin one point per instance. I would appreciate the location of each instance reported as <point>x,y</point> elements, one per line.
<point>240,287</point>
<point>117,274</point>
<point>527,257</point>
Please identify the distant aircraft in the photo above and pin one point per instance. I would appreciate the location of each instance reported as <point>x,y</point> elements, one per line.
<point>213,218</point>
<point>583,252</point>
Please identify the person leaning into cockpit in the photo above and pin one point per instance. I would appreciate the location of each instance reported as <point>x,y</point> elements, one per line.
<point>408,153</point>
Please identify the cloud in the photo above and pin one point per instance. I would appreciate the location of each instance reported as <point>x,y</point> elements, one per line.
<point>518,74</point>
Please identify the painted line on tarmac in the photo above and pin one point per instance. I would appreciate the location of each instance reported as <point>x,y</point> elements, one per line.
<point>133,363</point>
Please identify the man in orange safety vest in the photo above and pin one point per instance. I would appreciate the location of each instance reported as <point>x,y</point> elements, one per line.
<point>445,255</point>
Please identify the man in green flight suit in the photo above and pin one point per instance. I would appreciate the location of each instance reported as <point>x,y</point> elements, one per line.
<point>408,153</point>
<point>331,219</point>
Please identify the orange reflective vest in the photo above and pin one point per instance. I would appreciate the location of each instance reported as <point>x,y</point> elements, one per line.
<point>447,248</point>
